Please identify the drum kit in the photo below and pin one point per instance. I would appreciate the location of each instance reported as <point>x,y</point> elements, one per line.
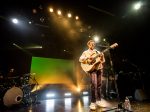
<point>15,90</point>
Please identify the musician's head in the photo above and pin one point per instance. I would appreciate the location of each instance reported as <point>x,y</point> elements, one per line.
<point>91,44</point>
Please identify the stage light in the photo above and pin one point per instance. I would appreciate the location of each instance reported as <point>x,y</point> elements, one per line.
<point>85,93</point>
<point>15,21</point>
<point>34,11</point>
<point>78,89</point>
<point>69,15</point>
<point>21,23</point>
<point>59,12</point>
<point>96,38</point>
<point>51,10</point>
<point>34,47</point>
<point>77,17</point>
<point>137,6</point>
<point>104,39</point>
<point>50,95</point>
<point>67,94</point>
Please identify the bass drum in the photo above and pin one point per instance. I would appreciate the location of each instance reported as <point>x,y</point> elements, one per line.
<point>12,96</point>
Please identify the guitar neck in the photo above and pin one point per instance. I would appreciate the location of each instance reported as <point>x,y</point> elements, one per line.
<point>105,50</point>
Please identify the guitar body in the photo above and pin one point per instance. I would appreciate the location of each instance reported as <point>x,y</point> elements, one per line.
<point>89,67</point>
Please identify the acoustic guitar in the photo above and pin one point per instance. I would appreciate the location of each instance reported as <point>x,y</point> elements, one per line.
<point>91,64</point>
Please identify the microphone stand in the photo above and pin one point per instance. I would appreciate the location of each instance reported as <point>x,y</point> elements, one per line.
<point>112,71</point>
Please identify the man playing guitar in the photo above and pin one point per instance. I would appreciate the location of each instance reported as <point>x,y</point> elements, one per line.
<point>92,63</point>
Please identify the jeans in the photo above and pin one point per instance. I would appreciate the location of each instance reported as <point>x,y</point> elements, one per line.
<point>95,85</point>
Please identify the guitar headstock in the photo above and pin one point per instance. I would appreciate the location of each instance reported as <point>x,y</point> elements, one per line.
<point>114,45</point>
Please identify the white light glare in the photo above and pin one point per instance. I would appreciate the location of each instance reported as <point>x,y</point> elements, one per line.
<point>50,95</point>
<point>77,17</point>
<point>78,89</point>
<point>51,10</point>
<point>67,94</point>
<point>69,15</point>
<point>96,39</point>
<point>59,12</point>
<point>85,93</point>
<point>15,20</point>
<point>40,47</point>
<point>137,6</point>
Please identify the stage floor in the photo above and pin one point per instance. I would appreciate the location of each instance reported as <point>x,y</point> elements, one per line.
<point>80,104</point>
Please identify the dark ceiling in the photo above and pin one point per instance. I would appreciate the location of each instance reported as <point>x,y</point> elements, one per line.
<point>113,20</point>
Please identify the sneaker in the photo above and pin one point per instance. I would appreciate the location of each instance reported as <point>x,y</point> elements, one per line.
<point>92,106</point>
<point>99,104</point>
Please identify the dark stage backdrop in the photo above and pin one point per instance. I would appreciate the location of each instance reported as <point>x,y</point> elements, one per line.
<point>53,71</point>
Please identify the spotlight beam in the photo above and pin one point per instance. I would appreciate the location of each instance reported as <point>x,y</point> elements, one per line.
<point>22,49</point>
<point>100,10</point>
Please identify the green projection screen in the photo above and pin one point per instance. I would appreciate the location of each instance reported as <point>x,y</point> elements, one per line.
<point>53,71</point>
